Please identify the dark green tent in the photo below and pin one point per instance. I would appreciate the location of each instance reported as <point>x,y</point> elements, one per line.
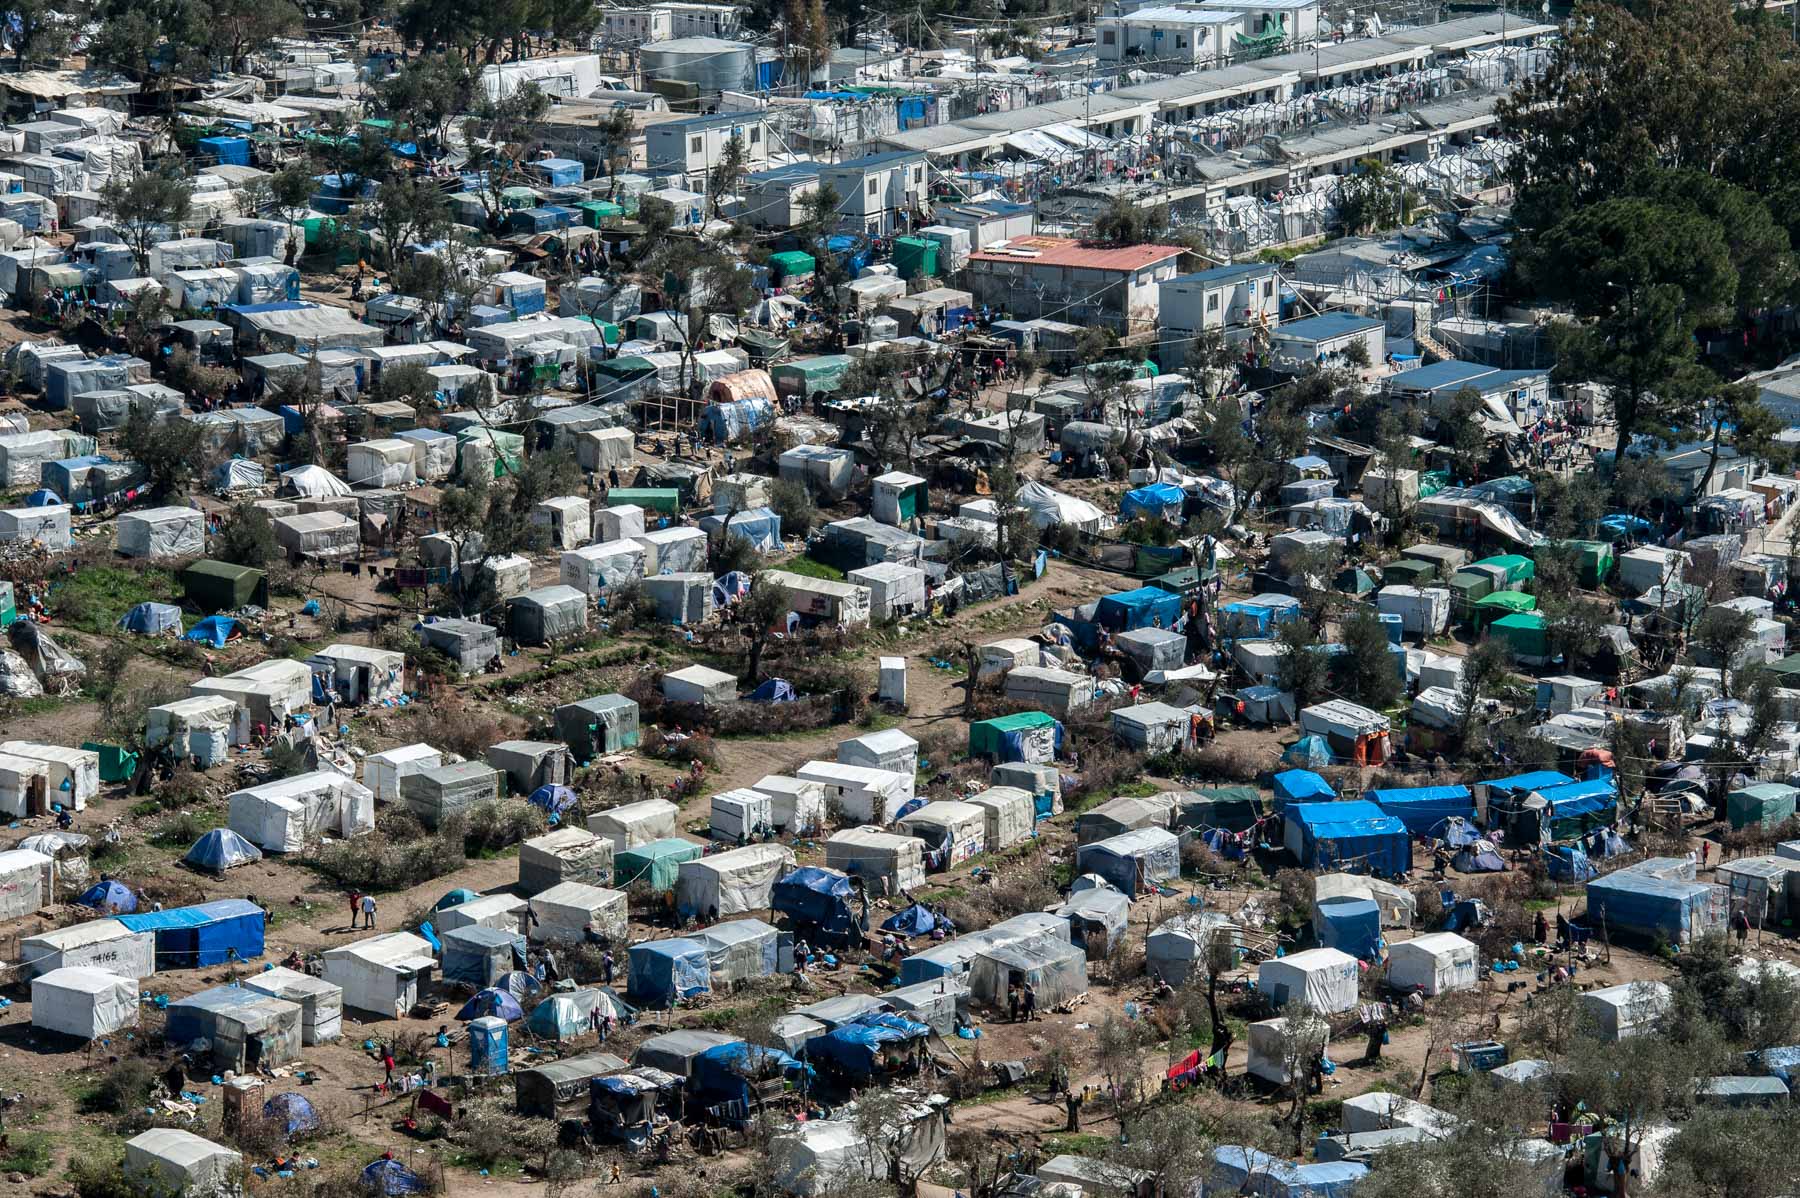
<point>220,586</point>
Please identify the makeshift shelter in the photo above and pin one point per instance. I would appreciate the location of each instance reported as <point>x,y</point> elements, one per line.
<point>564,855</point>
<point>110,896</point>
<point>795,805</point>
<point>1134,862</point>
<point>161,532</point>
<point>567,911</point>
<point>27,881</point>
<point>601,725</point>
<point>1237,1169</point>
<point>952,832</point>
<point>1637,902</point>
<point>501,912</point>
<point>1056,970</point>
<point>380,975</point>
<point>738,816</point>
<point>103,944</point>
<point>547,615</point>
<point>1626,1010</point>
<point>1323,978</point>
<point>591,569</point>
<point>1351,925</point>
<point>219,850</point>
<point>244,1029</point>
<point>951,959</point>
<point>873,1045</point>
<point>1151,728</point>
<point>1425,810</point>
<point>859,793</point>
<point>1097,915</point>
<point>1433,964</point>
<point>469,645</point>
<point>1009,814</point>
<point>382,772</point>
<point>321,1003</point>
<point>72,775</point>
<point>358,673</point>
<point>662,971</point>
<point>1269,1047</point>
<point>433,794</point>
<point>1179,945</point>
<point>739,949</point>
<point>480,956</point>
<point>1423,612</point>
<point>635,824</point>
<point>287,815</point>
<point>1115,817</point>
<point>83,1002</point>
<point>1034,737</point>
<point>167,1160</point>
<point>891,750</point>
<point>1763,805</point>
<point>544,1092</point>
<point>1357,834</point>
<point>699,684</point>
<point>568,1014</point>
<point>731,883</point>
<point>817,902</point>
<point>152,619</point>
<point>1356,734</point>
<point>657,863</point>
<point>1301,786</point>
<point>887,864</point>
<point>530,764</point>
<point>221,932</point>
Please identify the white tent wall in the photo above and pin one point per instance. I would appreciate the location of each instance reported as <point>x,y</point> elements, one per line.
<point>564,855</point>
<point>1435,964</point>
<point>794,803</point>
<point>619,522</point>
<point>1323,978</point>
<point>383,463</point>
<point>957,831</point>
<point>565,911</point>
<point>380,975</point>
<point>167,1160</point>
<point>592,568</point>
<point>24,786</point>
<point>98,944</point>
<point>382,771</point>
<point>635,824</point>
<point>1010,813</point>
<point>891,750</point>
<point>162,532</point>
<point>888,864</point>
<point>321,1003</point>
<point>85,1003</point>
<point>860,795</point>
<point>1268,1048</point>
<point>27,882</point>
<point>734,883</point>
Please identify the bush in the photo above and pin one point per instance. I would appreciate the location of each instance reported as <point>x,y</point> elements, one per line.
<point>27,1153</point>
<point>687,749</point>
<point>100,1175</point>
<point>247,537</point>
<point>125,1086</point>
<point>381,862</point>
<point>451,723</point>
<point>490,1133</point>
<point>183,830</point>
<point>794,504</point>
<point>493,824</point>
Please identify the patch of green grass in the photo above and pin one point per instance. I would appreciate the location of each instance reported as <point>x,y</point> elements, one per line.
<point>1076,1143</point>
<point>1137,790</point>
<point>506,1167</point>
<point>1539,904</point>
<point>807,567</point>
<point>93,599</point>
<point>36,705</point>
<point>27,1153</point>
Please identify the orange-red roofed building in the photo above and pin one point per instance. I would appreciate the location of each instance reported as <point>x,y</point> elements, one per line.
<point>1079,282</point>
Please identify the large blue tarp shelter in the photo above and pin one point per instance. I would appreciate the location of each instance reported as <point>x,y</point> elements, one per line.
<point>1424,809</point>
<point>1156,500</point>
<point>1639,903</point>
<point>1356,836</point>
<point>202,935</point>
<point>1301,786</point>
<point>1256,617</point>
<point>721,1072</point>
<point>819,899</point>
<point>856,1048</point>
<point>1520,785</point>
<point>1146,607</point>
<point>213,630</point>
<point>1241,1170</point>
<point>665,970</point>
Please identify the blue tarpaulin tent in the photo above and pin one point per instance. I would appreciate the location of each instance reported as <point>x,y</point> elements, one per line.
<point>554,799</point>
<point>390,1177</point>
<point>1302,786</point>
<point>1576,808</point>
<point>1145,607</point>
<point>1256,617</point>
<point>1350,925</point>
<point>856,1048</point>
<point>1308,750</point>
<point>221,849</point>
<point>916,920</point>
<point>665,970</point>
<point>43,497</point>
<point>213,630</point>
<point>722,1073</point>
<point>1238,1169</point>
<point>1567,863</point>
<point>295,1113</point>
<point>112,897</point>
<point>1424,809</point>
<point>774,690</point>
<point>1356,836</point>
<point>1672,909</point>
<point>203,935</point>
<point>819,899</point>
<point>1520,785</point>
<point>1164,500</point>
<point>492,1001</point>
<point>150,619</point>
<point>455,898</point>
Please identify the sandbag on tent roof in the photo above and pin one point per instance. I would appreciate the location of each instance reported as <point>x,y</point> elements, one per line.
<point>219,850</point>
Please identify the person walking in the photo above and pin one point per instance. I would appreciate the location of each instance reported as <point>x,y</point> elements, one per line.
<point>355,906</point>
<point>387,1064</point>
<point>1012,1003</point>
<point>368,910</point>
<point>1741,922</point>
<point>606,967</point>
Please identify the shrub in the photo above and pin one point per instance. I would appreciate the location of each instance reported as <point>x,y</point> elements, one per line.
<point>183,830</point>
<point>493,824</point>
<point>381,862</point>
<point>490,1133</point>
<point>27,1153</point>
<point>100,1175</point>
<point>452,723</point>
<point>688,748</point>
<point>125,1086</point>
<point>794,504</point>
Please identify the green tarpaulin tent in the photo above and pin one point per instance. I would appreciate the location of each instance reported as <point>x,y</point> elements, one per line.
<point>1595,561</point>
<point>811,376</point>
<point>987,738</point>
<point>1498,605</point>
<point>793,264</point>
<point>1517,567</point>
<point>651,499</point>
<point>1524,632</point>
<point>1763,805</point>
<point>656,864</point>
<point>220,586</point>
<point>1408,572</point>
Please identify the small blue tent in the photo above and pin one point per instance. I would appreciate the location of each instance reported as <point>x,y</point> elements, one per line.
<point>916,920</point>
<point>151,619</point>
<point>1308,751</point>
<point>43,497</point>
<point>819,900</point>
<point>663,971</point>
<point>856,1048</point>
<point>774,690</point>
<point>1302,786</point>
<point>455,898</point>
<point>491,1001</point>
<point>221,849</point>
<point>391,1178</point>
<point>553,798</point>
<point>213,630</point>
<point>111,897</point>
<point>1350,925</point>
<point>1164,500</point>
<point>296,1114</point>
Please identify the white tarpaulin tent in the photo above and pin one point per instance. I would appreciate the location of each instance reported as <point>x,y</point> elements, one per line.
<point>1011,813</point>
<point>387,462</point>
<point>1627,1010</point>
<point>866,795</point>
<point>592,568</point>
<point>567,854</point>
<point>886,863</point>
<point>635,824</point>
<point>287,815</point>
<point>1433,964</point>
<point>380,976</point>
<point>74,773</point>
<point>313,482</point>
<point>27,882</point>
<point>99,944</point>
<point>167,1160</point>
<point>817,1157</point>
<point>162,532</point>
<point>321,1003</point>
<point>1323,978</point>
<point>83,1002</point>
<point>566,910</point>
<point>733,883</point>
<point>1049,507</point>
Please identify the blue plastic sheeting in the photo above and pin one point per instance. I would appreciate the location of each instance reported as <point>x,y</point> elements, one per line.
<point>202,935</point>
<point>720,1072</point>
<point>220,850</point>
<point>1143,608</point>
<point>1566,863</point>
<point>916,920</point>
<point>818,898</point>
<point>1157,500</point>
<point>1351,925</point>
<point>856,1047</point>
<point>760,526</point>
<point>455,898</point>
<point>774,690</point>
<point>553,798</point>
<point>1308,750</point>
<point>518,983</point>
<point>1356,834</point>
<point>296,1113</point>
<point>1239,1170</point>
<point>665,970</point>
<point>1424,809</point>
<point>226,151</point>
<point>559,172</point>
<point>736,419</point>
<point>43,497</point>
<point>492,1001</point>
<point>1623,526</point>
<point>213,630</point>
<point>1650,906</point>
<point>728,588</point>
<point>1526,783</point>
<point>114,898</point>
<point>1783,1063</point>
<point>151,618</point>
<point>392,1178</point>
<point>1302,786</point>
<point>1249,619</point>
<point>1571,791</point>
